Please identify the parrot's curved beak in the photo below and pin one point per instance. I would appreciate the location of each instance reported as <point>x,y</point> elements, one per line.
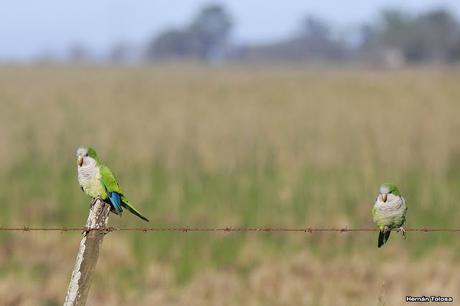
<point>80,160</point>
<point>384,197</point>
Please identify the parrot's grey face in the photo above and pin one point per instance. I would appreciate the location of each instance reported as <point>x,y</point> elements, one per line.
<point>384,189</point>
<point>386,195</point>
<point>82,157</point>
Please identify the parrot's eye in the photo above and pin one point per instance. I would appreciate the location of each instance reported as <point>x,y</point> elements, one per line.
<point>86,155</point>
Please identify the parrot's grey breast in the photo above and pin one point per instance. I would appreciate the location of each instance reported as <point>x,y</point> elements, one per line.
<point>89,178</point>
<point>391,213</point>
<point>87,173</point>
<point>396,204</point>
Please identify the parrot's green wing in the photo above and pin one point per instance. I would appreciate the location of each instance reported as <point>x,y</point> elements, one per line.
<point>109,180</point>
<point>114,192</point>
<point>373,212</point>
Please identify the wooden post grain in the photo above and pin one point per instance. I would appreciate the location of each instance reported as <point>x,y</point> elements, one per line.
<point>87,255</point>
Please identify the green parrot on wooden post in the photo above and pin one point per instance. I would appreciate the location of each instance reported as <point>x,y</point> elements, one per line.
<point>97,181</point>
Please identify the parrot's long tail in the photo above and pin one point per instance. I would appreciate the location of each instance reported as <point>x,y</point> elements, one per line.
<point>383,237</point>
<point>134,211</point>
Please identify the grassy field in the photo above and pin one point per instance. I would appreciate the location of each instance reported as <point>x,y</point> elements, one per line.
<point>232,147</point>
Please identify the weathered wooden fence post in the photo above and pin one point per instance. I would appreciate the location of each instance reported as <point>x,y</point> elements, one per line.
<point>87,254</point>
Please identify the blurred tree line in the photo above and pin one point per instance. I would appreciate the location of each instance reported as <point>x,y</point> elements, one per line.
<point>432,36</point>
<point>396,37</point>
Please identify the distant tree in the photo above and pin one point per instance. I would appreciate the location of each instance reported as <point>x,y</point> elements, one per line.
<point>368,37</point>
<point>207,37</point>
<point>430,36</point>
<point>174,44</point>
<point>316,29</point>
<point>396,27</point>
<point>367,46</point>
<point>212,28</point>
<point>437,32</point>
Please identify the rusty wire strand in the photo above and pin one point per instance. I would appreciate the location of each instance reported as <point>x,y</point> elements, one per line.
<point>219,229</point>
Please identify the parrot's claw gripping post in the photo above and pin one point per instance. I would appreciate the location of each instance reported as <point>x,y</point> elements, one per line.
<point>94,201</point>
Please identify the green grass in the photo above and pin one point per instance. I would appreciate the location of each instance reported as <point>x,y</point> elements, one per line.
<point>248,196</point>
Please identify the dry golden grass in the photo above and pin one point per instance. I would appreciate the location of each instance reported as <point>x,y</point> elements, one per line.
<point>296,278</point>
<point>232,146</point>
<point>295,117</point>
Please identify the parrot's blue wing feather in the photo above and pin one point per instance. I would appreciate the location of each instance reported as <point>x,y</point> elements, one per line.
<point>115,199</point>
<point>111,187</point>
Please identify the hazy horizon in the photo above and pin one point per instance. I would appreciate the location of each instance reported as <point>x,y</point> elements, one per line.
<point>31,29</point>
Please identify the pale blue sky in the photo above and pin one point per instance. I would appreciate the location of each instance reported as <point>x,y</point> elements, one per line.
<point>29,28</point>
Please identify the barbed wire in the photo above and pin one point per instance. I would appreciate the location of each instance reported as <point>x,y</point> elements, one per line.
<point>220,229</point>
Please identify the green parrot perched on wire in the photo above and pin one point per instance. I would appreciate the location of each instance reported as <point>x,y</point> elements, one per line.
<point>97,181</point>
<point>389,212</point>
